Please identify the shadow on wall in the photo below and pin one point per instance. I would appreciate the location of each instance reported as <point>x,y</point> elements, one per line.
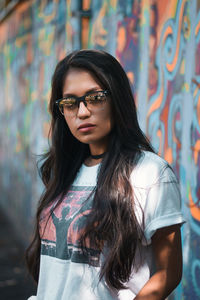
<point>15,282</point>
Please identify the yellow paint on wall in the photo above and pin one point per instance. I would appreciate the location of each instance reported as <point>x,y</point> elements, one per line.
<point>68,5</point>
<point>26,39</point>
<point>42,15</point>
<point>20,41</point>
<point>182,67</point>
<point>34,96</point>
<point>145,12</point>
<point>186,87</point>
<point>113,4</point>
<point>99,33</point>
<point>145,4</point>
<point>195,92</point>
<point>27,22</point>
<point>45,40</point>
<point>69,32</point>
<point>18,147</point>
<point>186,27</point>
<point>47,95</point>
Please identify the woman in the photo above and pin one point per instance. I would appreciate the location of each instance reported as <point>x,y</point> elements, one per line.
<point>108,223</point>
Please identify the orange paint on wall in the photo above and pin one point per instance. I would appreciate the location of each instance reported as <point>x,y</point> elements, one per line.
<point>196,150</point>
<point>86,4</point>
<point>156,104</point>
<point>198,110</point>
<point>29,49</point>
<point>168,155</point>
<point>159,134</point>
<point>47,18</point>
<point>168,31</point>
<point>24,5</point>
<point>121,39</point>
<point>194,209</point>
<point>85,32</point>
<point>165,11</point>
<point>164,115</point>
<point>9,28</point>
<point>131,77</point>
<point>197,28</point>
<point>175,140</point>
<point>171,66</point>
<point>26,39</point>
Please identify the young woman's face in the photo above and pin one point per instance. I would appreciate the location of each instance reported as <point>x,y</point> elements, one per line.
<point>91,124</point>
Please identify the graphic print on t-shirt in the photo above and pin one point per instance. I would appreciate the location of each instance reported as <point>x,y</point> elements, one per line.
<point>60,236</point>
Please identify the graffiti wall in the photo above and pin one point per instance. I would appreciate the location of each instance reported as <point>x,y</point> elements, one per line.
<point>158,44</point>
<point>32,39</point>
<point>173,117</point>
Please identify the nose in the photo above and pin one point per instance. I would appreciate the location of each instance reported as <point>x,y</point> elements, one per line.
<point>83,111</point>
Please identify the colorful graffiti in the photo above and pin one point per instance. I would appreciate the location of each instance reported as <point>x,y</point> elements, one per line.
<point>172,119</point>
<point>157,42</point>
<point>33,39</point>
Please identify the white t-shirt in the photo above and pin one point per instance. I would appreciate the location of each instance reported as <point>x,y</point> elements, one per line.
<point>64,270</point>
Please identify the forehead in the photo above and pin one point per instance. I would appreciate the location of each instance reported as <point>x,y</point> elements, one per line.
<point>78,81</point>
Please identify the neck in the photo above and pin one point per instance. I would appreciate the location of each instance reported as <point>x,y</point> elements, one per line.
<point>90,162</point>
<point>100,148</point>
<point>96,152</point>
<point>98,156</point>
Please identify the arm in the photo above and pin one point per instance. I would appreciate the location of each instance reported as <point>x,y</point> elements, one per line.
<point>167,250</point>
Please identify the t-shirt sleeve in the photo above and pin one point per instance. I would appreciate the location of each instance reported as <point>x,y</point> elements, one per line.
<point>163,204</point>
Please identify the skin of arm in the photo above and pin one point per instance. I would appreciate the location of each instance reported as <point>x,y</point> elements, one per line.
<point>166,243</point>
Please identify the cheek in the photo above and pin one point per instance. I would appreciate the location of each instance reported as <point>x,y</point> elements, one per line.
<point>107,118</point>
<point>70,124</point>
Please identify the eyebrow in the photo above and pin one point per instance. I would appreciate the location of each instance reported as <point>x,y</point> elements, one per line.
<point>87,92</point>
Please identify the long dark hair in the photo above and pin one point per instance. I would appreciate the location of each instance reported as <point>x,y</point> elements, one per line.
<point>112,219</point>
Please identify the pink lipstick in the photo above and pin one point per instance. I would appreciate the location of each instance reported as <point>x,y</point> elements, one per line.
<point>86,127</point>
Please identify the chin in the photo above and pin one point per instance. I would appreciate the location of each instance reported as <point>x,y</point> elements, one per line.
<point>89,140</point>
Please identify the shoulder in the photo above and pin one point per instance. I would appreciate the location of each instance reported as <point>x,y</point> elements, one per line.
<point>151,169</point>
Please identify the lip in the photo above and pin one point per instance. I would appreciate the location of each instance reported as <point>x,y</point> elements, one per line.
<point>86,127</point>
